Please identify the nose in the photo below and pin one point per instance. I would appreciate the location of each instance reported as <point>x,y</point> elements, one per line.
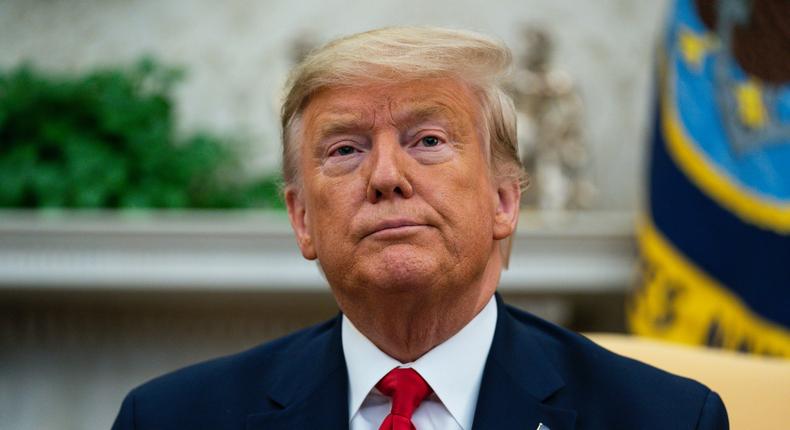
<point>387,176</point>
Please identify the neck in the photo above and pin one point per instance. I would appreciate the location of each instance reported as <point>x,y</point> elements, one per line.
<point>409,325</point>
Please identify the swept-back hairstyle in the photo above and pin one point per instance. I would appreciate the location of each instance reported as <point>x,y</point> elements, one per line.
<point>401,54</point>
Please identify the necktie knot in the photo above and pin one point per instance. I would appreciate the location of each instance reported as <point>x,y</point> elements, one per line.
<point>407,390</point>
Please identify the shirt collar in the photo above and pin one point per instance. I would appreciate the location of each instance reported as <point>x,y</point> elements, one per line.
<point>454,369</point>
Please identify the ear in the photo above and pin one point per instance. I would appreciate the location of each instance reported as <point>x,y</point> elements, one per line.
<point>507,207</point>
<point>297,213</point>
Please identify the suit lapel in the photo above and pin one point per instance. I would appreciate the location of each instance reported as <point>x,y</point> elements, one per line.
<point>518,381</point>
<point>312,389</point>
<point>516,389</point>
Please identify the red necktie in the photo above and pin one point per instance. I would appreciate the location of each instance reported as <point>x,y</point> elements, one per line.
<point>407,390</point>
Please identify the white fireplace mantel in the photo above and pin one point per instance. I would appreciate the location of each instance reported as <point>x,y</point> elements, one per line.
<point>254,250</point>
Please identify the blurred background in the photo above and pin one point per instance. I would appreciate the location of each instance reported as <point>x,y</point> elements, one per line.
<point>141,228</point>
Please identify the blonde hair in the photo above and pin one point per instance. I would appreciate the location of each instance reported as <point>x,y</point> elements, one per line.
<point>400,54</point>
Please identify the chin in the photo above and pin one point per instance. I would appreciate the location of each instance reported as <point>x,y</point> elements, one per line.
<point>401,268</point>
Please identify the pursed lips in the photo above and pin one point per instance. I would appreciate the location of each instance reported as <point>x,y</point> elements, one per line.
<point>393,226</point>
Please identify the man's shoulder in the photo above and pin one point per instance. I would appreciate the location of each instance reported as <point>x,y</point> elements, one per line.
<point>262,360</point>
<point>236,384</point>
<point>598,379</point>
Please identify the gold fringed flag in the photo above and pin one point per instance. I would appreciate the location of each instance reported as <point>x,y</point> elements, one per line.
<point>715,233</point>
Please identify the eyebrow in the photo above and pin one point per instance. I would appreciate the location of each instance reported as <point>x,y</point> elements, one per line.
<point>339,126</point>
<point>340,122</point>
<point>423,113</point>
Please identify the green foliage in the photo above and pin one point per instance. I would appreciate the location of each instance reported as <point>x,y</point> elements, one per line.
<point>108,140</point>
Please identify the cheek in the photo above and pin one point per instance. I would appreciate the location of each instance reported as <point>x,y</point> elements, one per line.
<point>332,206</point>
<point>464,198</point>
<point>472,181</point>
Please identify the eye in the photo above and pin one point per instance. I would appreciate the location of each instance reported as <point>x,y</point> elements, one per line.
<point>430,141</point>
<point>343,151</point>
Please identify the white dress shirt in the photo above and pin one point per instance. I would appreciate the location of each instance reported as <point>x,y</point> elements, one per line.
<point>453,369</point>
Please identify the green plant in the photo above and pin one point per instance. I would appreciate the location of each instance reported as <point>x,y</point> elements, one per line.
<point>108,140</point>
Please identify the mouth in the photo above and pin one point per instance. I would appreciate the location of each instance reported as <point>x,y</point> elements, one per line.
<point>395,228</point>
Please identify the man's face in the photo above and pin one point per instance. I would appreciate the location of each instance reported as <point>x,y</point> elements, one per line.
<point>397,195</point>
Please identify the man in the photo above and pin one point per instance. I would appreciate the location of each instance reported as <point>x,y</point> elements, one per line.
<point>403,181</point>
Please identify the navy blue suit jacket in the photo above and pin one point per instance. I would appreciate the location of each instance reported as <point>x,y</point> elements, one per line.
<point>536,373</point>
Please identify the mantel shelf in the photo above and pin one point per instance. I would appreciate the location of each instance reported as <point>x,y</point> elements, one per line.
<point>254,250</point>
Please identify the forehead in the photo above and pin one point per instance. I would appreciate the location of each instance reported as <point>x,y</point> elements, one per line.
<point>374,105</point>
